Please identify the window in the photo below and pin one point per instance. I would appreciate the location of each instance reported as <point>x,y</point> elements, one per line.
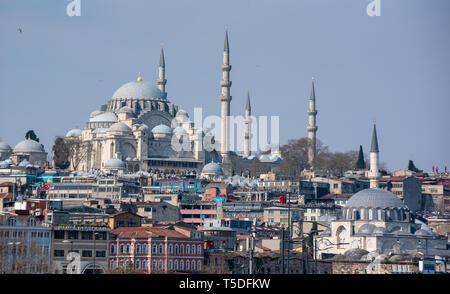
<point>176,249</point>
<point>170,265</point>
<point>182,249</point>
<point>138,264</point>
<point>100,236</point>
<point>176,264</point>
<point>113,249</point>
<point>86,235</point>
<point>199,265</point>
<point>154,248</point>
<point>170,249</point>
<point>145,248</point>
<point>199,249</point>
<point>153,264</point>
<point>59,234</point>
<point>138,248</point>
<point>101,253</point>
<point>188,249</point>
<point>161,249</point>
<point>181,265</point>
<point>86,253</point>
<point>193,265</point>
<point>187,265</point>
<point>58,253</point>
<point>193,249</point>
<point>122,247</point>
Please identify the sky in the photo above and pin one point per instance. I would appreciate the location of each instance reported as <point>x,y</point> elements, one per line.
<point>393,68</point>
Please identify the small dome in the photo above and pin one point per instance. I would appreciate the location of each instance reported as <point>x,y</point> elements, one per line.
<point>28,146</point>
<point>143,127</point>
<point>265,158</point>
<point>423,232</point>
<point>275,158</point>
<point>128,158</point>
<point>74,133</point>
<point>212,168</point>
<point>181,112</point>
<point>139,90</point>
<point>162,129</point>
<point>379,230</point>
<point>119,127</point>
<point>24,163</point>
<point>104,117</point>
<point>375,198</point>
<point>114,163</point>
<point>126,109</point>
<point>99,131</point>
<point>366,229</point>
<point>4,146</point>
<point>179,130</point>
<point>95,113</point>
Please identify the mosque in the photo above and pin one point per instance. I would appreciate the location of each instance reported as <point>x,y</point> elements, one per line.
<point>376,220</point>
<point>138,128</point>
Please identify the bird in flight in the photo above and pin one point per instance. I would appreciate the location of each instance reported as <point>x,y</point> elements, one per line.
<point>20,30</point>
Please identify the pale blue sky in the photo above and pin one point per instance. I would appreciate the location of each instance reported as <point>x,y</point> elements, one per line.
<point>394,68</point>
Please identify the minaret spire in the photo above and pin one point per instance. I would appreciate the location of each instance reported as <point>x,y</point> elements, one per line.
<point>312,128</point>
<point>374,158</point>
<point>161,81</point>
<point>225,99</point>
<point>247,122</point>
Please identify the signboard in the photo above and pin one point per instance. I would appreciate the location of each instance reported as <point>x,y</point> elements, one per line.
<point>219,199</point>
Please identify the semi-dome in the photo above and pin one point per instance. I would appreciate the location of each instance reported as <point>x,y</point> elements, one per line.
<point>138,90</point>
<point>212,168</point>
<point>143,127</point>
<point>95,113</point>
<point>114,163</point>
<point>104,117</point>
<point>125,109</point>
<point>374,198</point>
<point>24,163</point>
<point>119,127</point>
<point>265,158</point>
<point>74,133</point>
<point>366,229</point>
<point>423,232</point>
<point>162,129</point>
<point>27,146</point>
<point>4,146</point>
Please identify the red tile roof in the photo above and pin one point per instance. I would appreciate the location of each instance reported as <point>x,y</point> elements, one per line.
<point>149,232</point>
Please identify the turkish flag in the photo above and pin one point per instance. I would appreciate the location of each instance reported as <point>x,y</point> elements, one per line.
<point>46,187</point>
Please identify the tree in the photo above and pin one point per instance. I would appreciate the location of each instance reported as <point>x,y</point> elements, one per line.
<point>360,164</point>
<point>412,167</point>
<point>61,153</point>
<point>70,151</point>
<point>31,135</point>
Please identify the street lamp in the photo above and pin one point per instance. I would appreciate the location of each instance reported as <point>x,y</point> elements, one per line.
<point>14,244</point>
<point>95,237</point>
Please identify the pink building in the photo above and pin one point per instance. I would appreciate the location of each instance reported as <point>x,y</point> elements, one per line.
<point>162,249</point>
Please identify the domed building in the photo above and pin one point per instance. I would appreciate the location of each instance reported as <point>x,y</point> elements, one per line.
<point>138,123</point>
<point>29,150</point>
<point>212,170</point>
<point>5,151</point>
<point>376,220</point>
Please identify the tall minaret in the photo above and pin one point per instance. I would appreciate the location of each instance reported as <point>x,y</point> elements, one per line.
<point>247,121</point>
<point>312,128</point>
<point>225,99</point>
<point>374,156</point>
<point>161,81</point>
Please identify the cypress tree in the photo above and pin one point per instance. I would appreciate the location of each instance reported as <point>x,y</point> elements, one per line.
<point>360,164</point>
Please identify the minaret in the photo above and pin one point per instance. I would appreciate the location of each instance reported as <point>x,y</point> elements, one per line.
<point>374,156</point>
<point>225,99</point>
<point>161,81</point>
<point>248,112</point>
<point>312,128</point>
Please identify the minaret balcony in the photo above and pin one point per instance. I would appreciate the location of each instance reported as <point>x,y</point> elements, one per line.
<point>161,81</point>
<point>312,129</point>
<point>225,98</point>
<point>314,112</point>
<point>225,83</point>
<point>226,67</point>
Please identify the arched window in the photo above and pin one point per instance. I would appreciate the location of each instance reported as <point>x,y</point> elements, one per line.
<point>199,249</point>
<point>161,266</point>
<point>138,248</point>
<point>154,248</point>
<point>182,249</point>
<point>181,265</point>
<point>176,264</point>
<point>112,265</point>
<point>128,248</point>
<point>193,249</point>
<point>122,248</point>
<point>138,264</point>
<point>145,249</point>
<point>161,249</point>
<point>153,264</point>
<point>188,249</point>
<point>188,265</point>
<point>170,249</point>
<point>193,265</point>
<point>199,265</point>
<point>113,249</point>
<point>170,265</point>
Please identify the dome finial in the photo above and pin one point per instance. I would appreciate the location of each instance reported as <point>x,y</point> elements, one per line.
<point>139,79</point>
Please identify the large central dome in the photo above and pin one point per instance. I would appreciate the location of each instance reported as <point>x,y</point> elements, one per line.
<point>139,90</point>
<point>374,198</point>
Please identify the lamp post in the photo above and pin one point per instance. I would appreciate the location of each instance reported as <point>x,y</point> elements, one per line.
<point>95,267</point>
<point>14,248</point>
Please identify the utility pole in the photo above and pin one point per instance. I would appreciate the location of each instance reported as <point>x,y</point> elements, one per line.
<point>282,249</point>
<point>289,230</point>
<point>252,247</point>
